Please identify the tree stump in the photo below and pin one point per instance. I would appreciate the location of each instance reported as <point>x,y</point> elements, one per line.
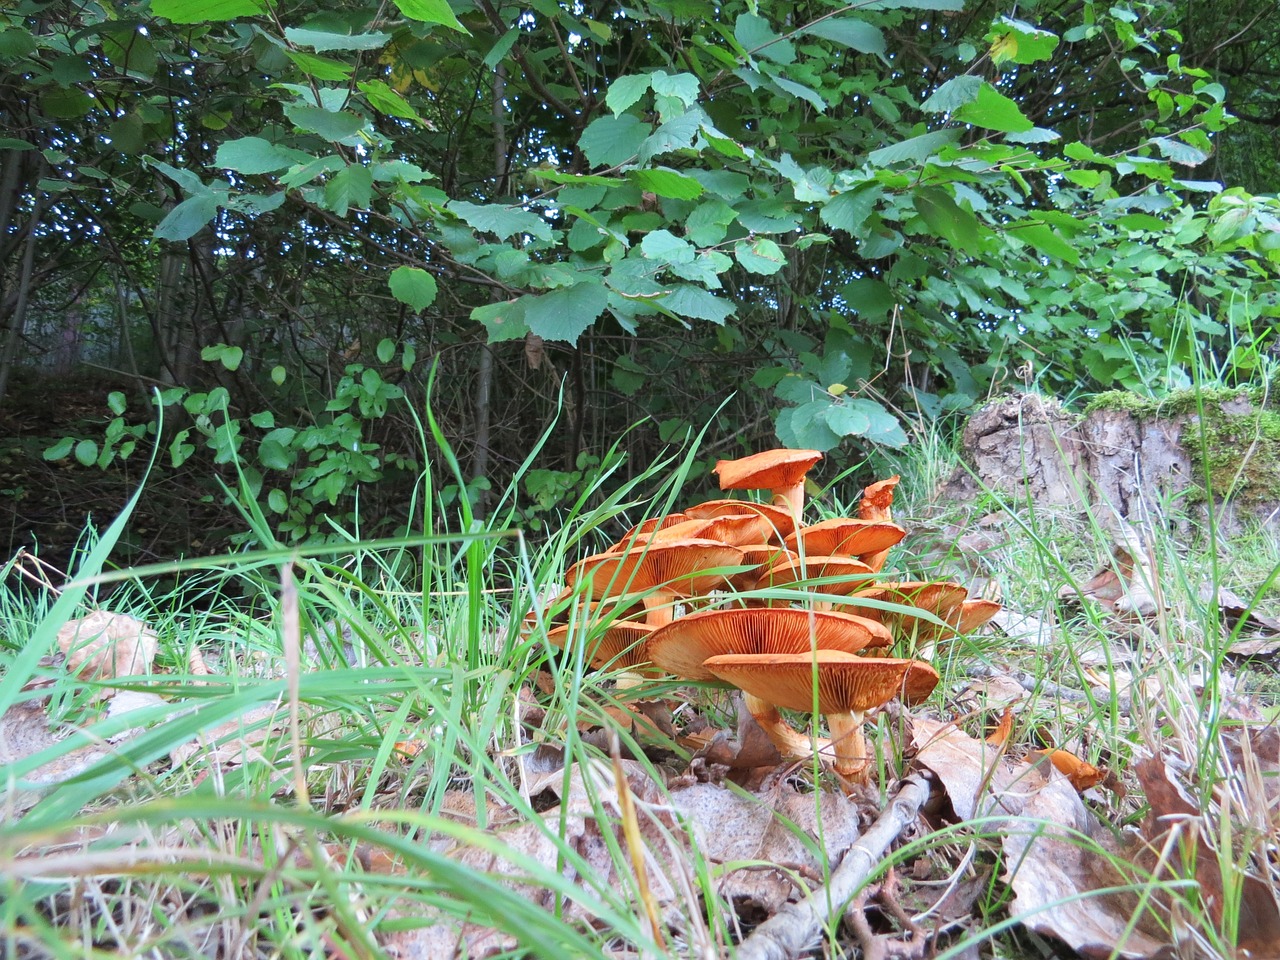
<point>1128,458</point>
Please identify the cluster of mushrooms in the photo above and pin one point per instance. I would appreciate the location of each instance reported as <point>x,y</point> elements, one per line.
<point>695,595</point>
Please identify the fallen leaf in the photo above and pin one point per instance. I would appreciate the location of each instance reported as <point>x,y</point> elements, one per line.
<point>103,646</point>
<point>1255,899</point>
<point>999,736</point>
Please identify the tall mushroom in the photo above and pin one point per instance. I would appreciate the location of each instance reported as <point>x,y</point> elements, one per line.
<point>847,687</point>
<point>781,472</point>
<point>780,522</point>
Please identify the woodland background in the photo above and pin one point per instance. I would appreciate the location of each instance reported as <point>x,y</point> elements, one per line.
<point>295,225</point>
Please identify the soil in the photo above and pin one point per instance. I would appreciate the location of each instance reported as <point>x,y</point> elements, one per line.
<point>44,505</point>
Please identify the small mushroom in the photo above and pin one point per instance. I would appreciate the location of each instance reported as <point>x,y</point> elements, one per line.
<point>877,504</point>
<point>847,687</point>
<point>662,572</point>
<point>781,472</point>
<point>942,599</point>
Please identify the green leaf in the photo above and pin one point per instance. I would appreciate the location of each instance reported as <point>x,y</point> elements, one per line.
<point>277,502</point>
<point>846,420</point>
<point>805,427</point>
<point>385,350</point>
<point>709,222</point>
<point>1045,240</point>
<point>682,86</point>
<point>503,320</point>
<point>116,402</point>
<point>849,211</point>
<point>626,91</point>
<point>849,32</point>
<point>86,453</point>
<point>992,110</point>
<point>612,141</point>
<point>322,68</point>
<point>336,125</point>
<point>1020,42</point>
<point>565,313</point>
<point>414,286</point>
<point>350,187</point>
<point>1179,152</point>
<point>59,449</point>
<point>690,301</point>
<point>953,95</point>
<point>501,220</point>
<point>188,218</point>
<point>263,419</point>
<point>431,11</point>
<point>758,38</point>
<point>498,52</point>
<point>954,6</point>
<point>278,374</point>
<point>915,150</point>
<point>947,219</point>
<point>206,11</point>
<point>386,101</point>
<point>666,247</point>
<point>251,155</point>
<point>225,354</point>
<point>667,183</point>
<point>276,451</point>
<point>320,40</point>
<point>760,255</point>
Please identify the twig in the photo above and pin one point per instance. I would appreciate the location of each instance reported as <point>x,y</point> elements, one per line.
<point>792,929</point>
<point>1034,684</point>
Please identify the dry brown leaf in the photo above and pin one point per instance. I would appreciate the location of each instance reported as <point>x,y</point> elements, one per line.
<point>103,646</point>
<point>749,749</point>
<point>1055,855</point>
<point>1172,808</point>
<point>1125,586</point>
<point>1040,823</point>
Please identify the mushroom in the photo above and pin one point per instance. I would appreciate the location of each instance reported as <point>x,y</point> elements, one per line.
<point>781,472</point>
<point>683,646</point>
<point>942,598</point>
<point>663,571</point>
<point>619,644</point>
<point>847,687</point>
<point>843,536</point>
<point>780,522</point>
<point>877,504</point>
<point>761,557</point>
<point>853,575</point>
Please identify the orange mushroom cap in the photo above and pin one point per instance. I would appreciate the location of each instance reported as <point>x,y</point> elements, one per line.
<point>767,470</point>
<point>791,570</point>
<point>844,536</point>
<point>681,646</point>
<point>780,521</point>
<point>620,644</point>
<point>846,682</point>
<point>677,566</point>
<point>877,500</point>
<point>941,598</point>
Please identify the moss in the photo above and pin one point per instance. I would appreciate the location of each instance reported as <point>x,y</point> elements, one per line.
<point>1219,442</point>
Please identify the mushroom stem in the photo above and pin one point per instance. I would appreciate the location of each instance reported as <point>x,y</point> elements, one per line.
<point>792,498</point>
<point>850,745</point>
<point>659,608</point>
<point>789,741</point>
